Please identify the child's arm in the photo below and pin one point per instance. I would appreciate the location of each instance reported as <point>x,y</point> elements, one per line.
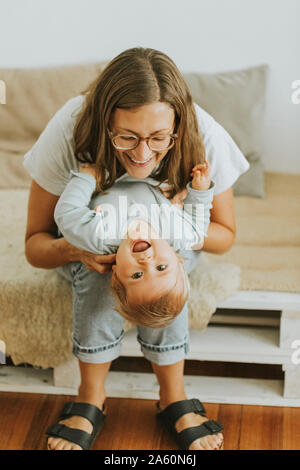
<point>78,224</point>
<point>198,202</point>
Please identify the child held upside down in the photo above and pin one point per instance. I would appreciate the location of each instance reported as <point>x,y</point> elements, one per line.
<point>149,281</point>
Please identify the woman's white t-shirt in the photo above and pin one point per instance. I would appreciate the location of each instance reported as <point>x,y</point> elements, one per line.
<point>52,157</point>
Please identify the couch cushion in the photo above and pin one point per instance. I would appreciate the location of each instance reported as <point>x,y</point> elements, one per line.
<point>32,97</point>
<point>236,100</point>
<point>267,246</point>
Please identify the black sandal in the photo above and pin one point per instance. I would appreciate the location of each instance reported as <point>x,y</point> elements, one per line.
<point>77,436</point>
<point>173,412</point>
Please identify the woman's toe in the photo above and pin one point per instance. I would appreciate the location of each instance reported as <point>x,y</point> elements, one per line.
<point>206,444</point>
<point>60,445</point>
<point>214,443</point>
<point>75,447</point>
<point>198,444</point>
<point>51,443</point>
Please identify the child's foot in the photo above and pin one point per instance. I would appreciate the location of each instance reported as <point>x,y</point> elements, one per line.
<point>209,442</point>
<point>74,422</point>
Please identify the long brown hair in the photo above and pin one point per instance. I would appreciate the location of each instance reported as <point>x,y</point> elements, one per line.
<point>137,77</point>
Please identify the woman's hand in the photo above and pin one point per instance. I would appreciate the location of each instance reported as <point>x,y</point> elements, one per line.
<point>98,263</point>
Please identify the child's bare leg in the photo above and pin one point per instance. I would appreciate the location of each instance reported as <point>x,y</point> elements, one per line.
<point>170,379</point>
<point>91,390</point>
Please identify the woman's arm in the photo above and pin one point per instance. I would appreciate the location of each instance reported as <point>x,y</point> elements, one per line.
<point>42,248</point>
<point>222,228</point>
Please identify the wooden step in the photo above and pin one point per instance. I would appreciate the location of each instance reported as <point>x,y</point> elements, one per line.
<point>144,385</point>
<point>249,344</point>
<point>262,300</point>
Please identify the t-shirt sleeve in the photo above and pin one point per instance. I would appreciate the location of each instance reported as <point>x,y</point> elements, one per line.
<point>52,157</point>
<point>226,160</point>
<point>80,225</point>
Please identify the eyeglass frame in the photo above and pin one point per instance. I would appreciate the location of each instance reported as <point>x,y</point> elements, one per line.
<point>140,139</point>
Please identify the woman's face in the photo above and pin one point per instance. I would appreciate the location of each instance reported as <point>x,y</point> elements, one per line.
<point>144,121</point>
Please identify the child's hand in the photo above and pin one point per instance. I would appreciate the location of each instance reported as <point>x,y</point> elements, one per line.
<point>98,209</point>
<point>201,176</point>
<point>89,168</point>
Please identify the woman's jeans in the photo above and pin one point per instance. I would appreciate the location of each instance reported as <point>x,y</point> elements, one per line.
<point>98,328</point>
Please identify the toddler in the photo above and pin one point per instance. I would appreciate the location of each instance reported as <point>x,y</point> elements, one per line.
<point>146,231</point>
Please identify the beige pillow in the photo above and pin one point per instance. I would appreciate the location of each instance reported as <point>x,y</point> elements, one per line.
<point>32,97</point>
<point>236,100</point>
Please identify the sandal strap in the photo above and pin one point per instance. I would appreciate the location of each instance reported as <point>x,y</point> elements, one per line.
<point>77,436</point>
<point>189,435</point>
<point>176,410</point>
<point>85,410</point>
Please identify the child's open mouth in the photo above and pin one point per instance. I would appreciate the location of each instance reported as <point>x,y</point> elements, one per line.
<point>140,245</point>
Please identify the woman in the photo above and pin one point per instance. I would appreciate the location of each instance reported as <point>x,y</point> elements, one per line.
<point>142,96</point>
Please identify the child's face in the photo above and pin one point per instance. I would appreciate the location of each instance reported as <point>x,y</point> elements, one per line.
<point>149,273</point>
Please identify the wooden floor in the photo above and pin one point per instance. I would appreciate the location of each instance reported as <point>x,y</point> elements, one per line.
<point>131,423</point>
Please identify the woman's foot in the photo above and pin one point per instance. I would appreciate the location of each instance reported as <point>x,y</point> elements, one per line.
<point>91,391</point>
<point>210,442</point>
<point>75,422</point>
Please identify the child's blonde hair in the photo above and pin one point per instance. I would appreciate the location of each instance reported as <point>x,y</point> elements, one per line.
<point>158,312</point>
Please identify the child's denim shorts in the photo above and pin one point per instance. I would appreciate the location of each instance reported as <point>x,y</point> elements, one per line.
<point>98,328</point>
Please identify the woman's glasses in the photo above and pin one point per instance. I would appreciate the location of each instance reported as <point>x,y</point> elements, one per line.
<point>158,142</point>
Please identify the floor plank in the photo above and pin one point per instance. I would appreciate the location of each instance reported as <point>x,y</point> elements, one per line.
<point>291,429</point>
<point>230,417</point>
<point>261,428</point>
<point>131,425</point>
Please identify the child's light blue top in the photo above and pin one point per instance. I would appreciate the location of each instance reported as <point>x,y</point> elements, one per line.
<point>128,199</point>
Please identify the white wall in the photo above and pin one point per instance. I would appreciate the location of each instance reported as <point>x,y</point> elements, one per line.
<point>199,35</point>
